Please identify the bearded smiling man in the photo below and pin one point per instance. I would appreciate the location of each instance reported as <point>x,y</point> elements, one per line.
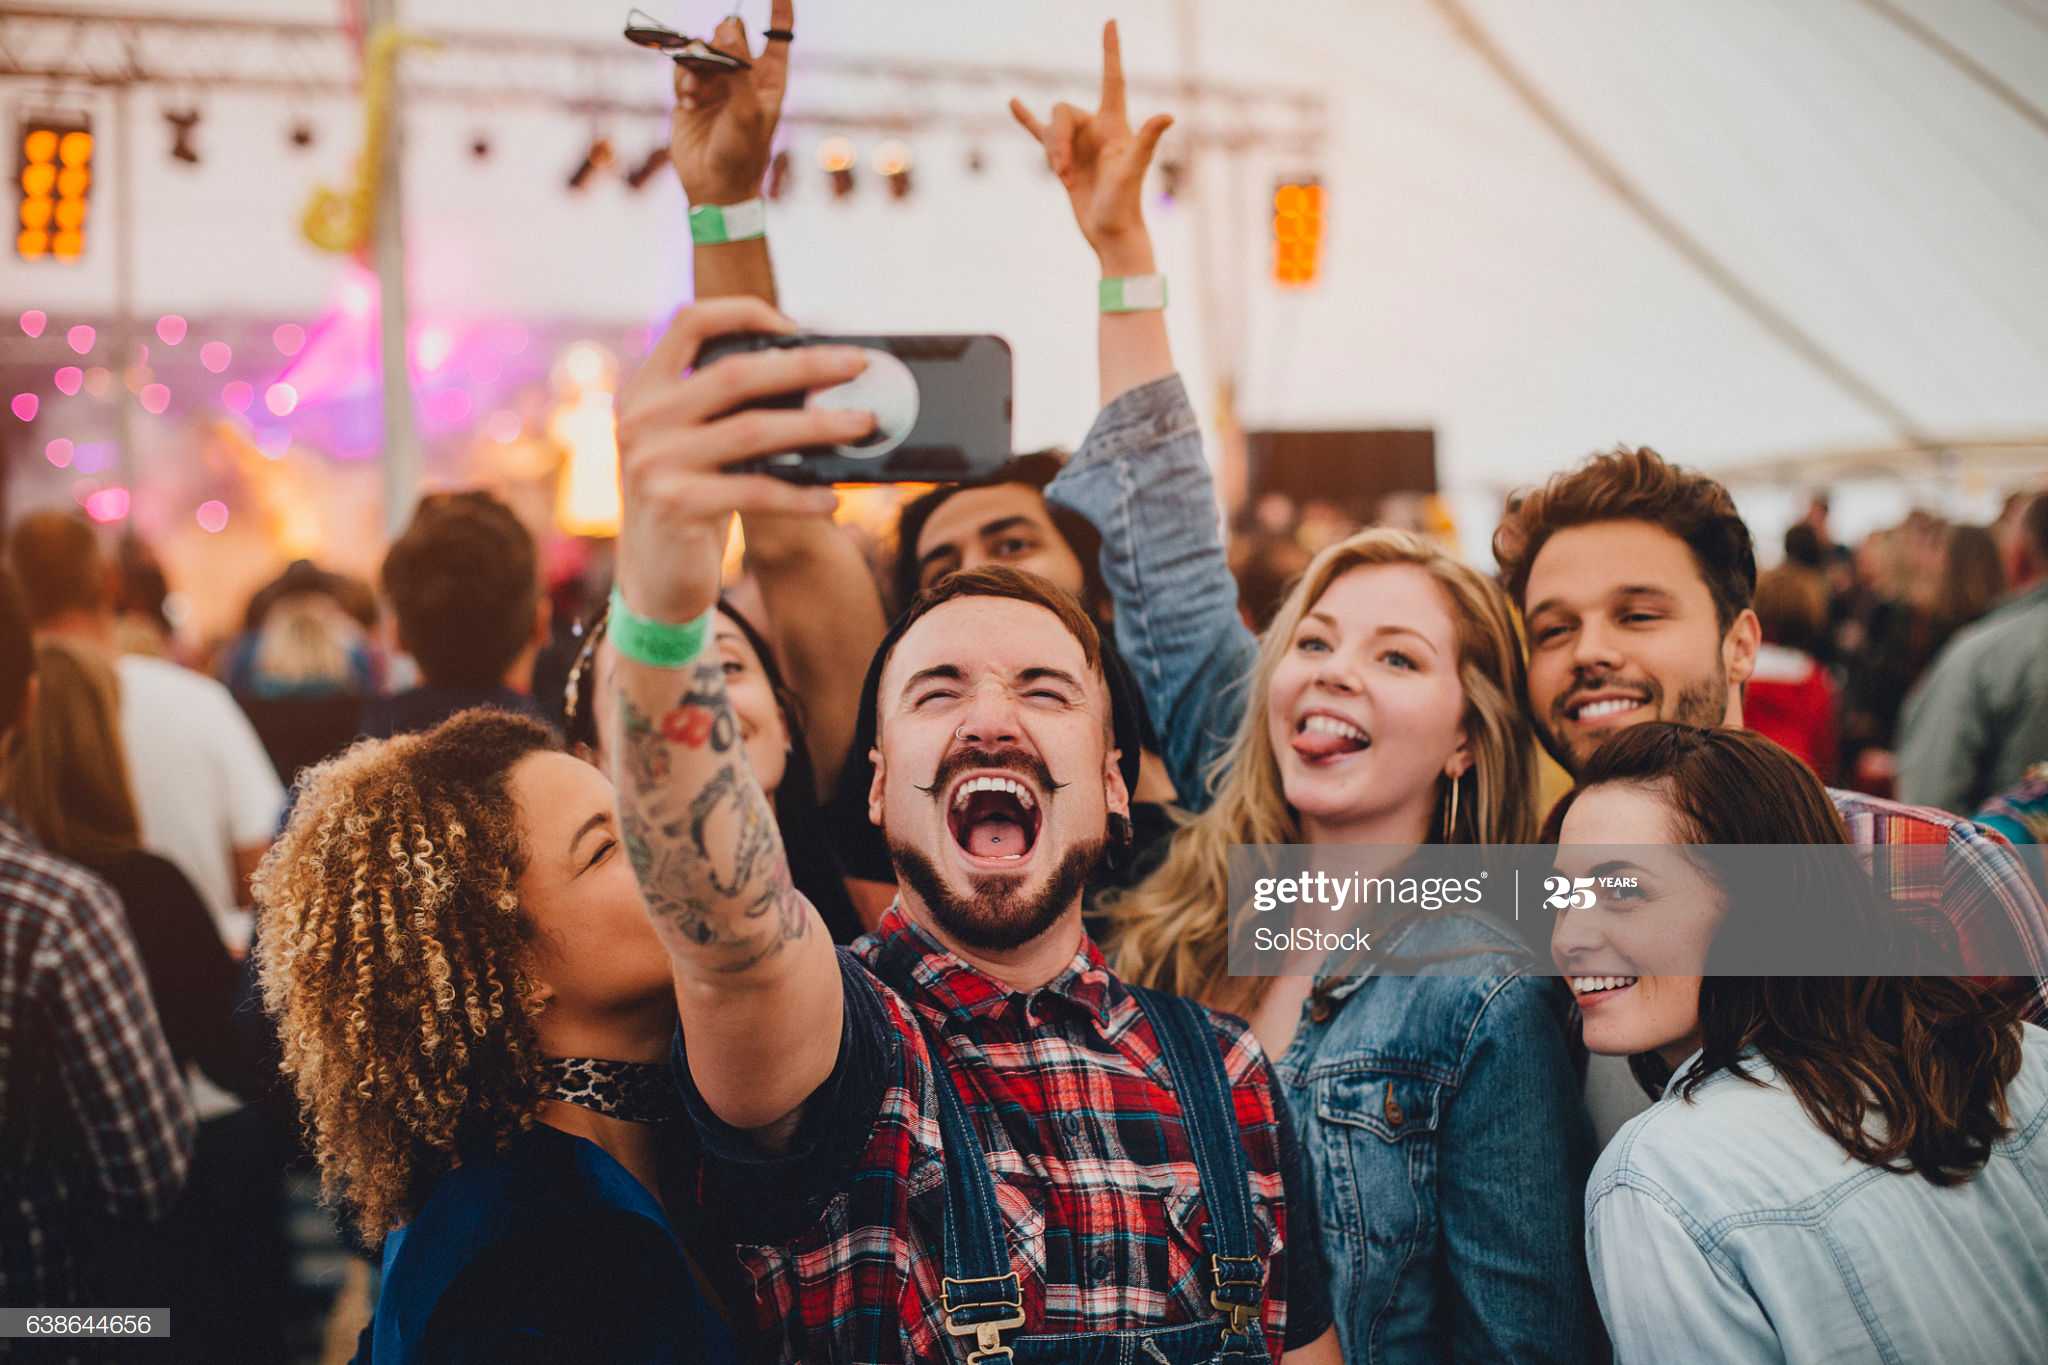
<point>965,1126</point>
<point>1635,578</point>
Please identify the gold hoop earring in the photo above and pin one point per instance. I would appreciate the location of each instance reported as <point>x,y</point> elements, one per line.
<point>1451,812</point>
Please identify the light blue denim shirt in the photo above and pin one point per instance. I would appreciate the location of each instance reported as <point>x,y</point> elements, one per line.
<point>1440,1111</point>
<point>1732,1228</point>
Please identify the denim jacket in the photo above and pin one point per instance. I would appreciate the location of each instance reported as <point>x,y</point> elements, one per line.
<point>1730,1227</point>
<point>1440,1111</point>
<point>1442,1115</point>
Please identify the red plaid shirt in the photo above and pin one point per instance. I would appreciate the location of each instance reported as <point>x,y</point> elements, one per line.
<point>1949,869</point>
<point>839,1240</point>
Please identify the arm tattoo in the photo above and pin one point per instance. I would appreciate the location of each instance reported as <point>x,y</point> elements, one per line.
<point>701,835</point>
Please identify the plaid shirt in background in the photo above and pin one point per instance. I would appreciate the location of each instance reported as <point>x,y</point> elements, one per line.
<point>94,1123</point>
<point>1067,1087</point>
<point>1967,875</point>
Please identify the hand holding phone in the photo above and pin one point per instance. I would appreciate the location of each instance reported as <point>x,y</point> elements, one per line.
<point>942,407</point>
<point>684,440</point>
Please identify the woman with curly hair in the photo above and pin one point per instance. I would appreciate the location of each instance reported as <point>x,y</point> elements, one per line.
<point>476,1015</point>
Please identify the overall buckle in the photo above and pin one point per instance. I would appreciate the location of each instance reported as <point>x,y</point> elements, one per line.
<point>1238,1273</point>
<point>988,1335</point>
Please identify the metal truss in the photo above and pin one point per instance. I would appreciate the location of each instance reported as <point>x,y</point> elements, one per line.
<point>187,59</point>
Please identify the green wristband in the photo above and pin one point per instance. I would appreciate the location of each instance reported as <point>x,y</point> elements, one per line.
<point>658,644</point>
<point>717,224</point>
<point>1133,293</point>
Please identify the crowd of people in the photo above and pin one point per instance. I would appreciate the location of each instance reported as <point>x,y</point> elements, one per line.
<point>834,963</point>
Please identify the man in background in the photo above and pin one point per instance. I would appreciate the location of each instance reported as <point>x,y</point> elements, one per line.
<point>206,792</point>
<point>1978,718</point>
<point>464,584</point>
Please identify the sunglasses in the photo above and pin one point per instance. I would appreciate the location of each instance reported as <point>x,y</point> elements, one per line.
<point>644,30</point>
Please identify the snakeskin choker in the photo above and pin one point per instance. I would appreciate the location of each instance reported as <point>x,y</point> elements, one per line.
<point>638,1092</point>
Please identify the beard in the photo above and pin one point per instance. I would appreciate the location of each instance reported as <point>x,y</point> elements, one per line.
<point>996,915</point>
<point>1702,702</point>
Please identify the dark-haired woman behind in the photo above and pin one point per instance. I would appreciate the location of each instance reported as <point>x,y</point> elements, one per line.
<point>1840,1168</point>
<point>476,1017</point>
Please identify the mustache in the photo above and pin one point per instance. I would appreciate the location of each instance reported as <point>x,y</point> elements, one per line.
<point>1013,759</point>
<point>1601,682</point>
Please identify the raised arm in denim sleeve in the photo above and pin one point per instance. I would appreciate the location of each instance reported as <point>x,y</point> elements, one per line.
<point>115,1066</point>
<point>1663,1297</point>
<point>1140,478</point>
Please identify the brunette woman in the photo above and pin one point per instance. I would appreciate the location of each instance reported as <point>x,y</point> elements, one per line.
<point>1840,1168</point>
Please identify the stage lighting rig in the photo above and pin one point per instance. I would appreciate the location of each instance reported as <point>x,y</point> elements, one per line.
<point>54,171</point>
<point>182,123</point>
<point>597,157</point>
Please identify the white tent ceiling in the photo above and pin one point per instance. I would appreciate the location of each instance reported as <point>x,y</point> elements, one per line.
<point>1477,278</point>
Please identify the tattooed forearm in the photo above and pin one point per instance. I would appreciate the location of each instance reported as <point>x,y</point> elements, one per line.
<point>701,834</point>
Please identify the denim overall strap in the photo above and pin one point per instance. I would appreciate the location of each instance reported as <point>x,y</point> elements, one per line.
<point>1237,1271</point>
<point>980,1294</point>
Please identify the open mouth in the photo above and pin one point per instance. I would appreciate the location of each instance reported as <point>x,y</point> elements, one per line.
<point>994,819</point>
<point>1320,737</point>
<point>1594,989</point>
<point>1604,707</point>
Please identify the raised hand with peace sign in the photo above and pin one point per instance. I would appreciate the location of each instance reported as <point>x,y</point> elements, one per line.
<point>1102,163</point>
<point>721,133</point>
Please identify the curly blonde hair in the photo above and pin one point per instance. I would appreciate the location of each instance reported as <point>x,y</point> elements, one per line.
<point>394,959</point>
<point>1172,931</point>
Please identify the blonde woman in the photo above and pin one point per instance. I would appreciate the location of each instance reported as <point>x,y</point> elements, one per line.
<point>1441,1110</point>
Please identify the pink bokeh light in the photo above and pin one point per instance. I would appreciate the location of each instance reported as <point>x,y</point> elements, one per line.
<point>290,338</point>
<point>80,338</point>
<point>215,355</point>
<point>433,347</point>
<point>170,329</point>
<point>107,504</point>
<point>58,452</point>
<point>69,379</point>
<point>24,406</point>
<point>154,398</point>
<point>280,399</point>
<point>237,396</point>
<point>33,321</point>
<point>212,516</point>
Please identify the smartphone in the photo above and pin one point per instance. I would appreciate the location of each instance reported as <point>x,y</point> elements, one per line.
<point>941,405</point>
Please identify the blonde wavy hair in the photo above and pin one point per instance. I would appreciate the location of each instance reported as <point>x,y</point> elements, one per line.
<point>66,774</point>
<point>1171,931</point>
<point>394,959</point>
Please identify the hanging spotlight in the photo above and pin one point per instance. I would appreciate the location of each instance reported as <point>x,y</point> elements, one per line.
<point>649,167</point>
<point>778,175</point>
<point>480,145</point>
<point>1173,175</point>
<point>837,159</point>
<point>892,163</point>
<point>597,158</point>
<point>182,122</point>
<point>301,135</point>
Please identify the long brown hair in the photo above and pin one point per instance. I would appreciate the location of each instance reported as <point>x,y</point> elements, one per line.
<point>1171,931</point>
<point>1929,1056</point>
<point>394,958</point>
<point>67,775</point>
